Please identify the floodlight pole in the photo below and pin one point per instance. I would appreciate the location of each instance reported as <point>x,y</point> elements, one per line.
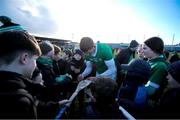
<point>172,41</point>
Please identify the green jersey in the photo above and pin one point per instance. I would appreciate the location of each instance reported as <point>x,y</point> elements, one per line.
<point>159,70</point>
<point>104,53</point>
<point>157,82</point>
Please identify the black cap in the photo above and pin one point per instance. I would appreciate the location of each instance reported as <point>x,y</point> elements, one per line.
<point>78,51</point>
<point>5,19</point>
<point>133,44</point>
<point>156,44</point>
<point>138,67</point>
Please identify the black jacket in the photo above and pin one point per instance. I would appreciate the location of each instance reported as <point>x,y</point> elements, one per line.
<point>169,104</point>
<point>124,56</point>
<point>101,111</point>
<point>48,74</point>
<point>53,89</point>
<point>15,99</point>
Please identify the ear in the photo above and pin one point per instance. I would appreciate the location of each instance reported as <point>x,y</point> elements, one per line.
<point>24,58</point>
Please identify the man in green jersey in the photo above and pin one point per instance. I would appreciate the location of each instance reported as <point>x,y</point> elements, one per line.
<point>100,55</point>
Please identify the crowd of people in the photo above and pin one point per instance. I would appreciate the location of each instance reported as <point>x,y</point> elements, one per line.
<point>38,78</point>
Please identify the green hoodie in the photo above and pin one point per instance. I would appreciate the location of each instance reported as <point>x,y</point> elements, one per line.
<point>46,61</point>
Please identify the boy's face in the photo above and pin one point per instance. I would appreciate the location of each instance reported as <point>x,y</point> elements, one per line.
<point>38,79</point>
<point>134,48</point>
<point>147,52</point>
<point>91,50</point>
<point>140,52</point>
<point>30,65</point>
<point>77,57</point>
<point>56,57</point>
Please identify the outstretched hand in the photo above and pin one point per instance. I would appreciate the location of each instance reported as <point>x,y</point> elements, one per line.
<point>80,77</point>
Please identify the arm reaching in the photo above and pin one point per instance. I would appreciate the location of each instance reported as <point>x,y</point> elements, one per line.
<point>111,71</point>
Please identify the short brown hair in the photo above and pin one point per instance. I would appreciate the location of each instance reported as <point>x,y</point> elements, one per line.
<point>46,46</point>
<point>13,42</point>
<point>104,89</point>
<point>57,49</point>
<point>86,43</point>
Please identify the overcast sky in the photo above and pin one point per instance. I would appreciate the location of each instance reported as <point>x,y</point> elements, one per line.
<point>112,21</point>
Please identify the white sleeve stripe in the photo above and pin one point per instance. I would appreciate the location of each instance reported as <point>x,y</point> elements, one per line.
<point>152,84</point>
<point>88,69</point>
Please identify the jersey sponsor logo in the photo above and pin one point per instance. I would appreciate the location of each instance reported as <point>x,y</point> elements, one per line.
<point>96,59</point>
